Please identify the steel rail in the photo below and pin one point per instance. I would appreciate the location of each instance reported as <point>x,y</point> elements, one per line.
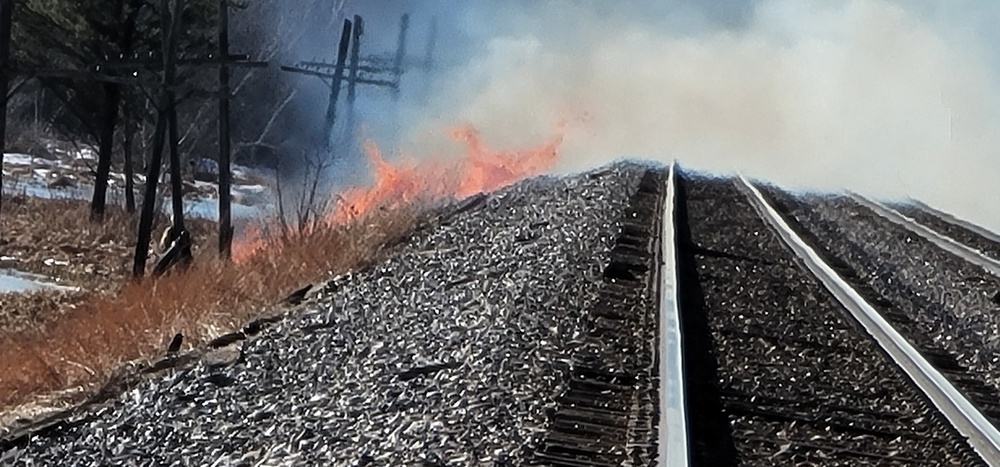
<point>954,220</point>
<point>961,250</point>
<point>672,448</point>
<point>967,420</point>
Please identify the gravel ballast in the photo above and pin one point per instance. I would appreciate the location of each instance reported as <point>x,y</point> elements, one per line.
<point>450,353</point>
<point>951,230</point>
<point>519,328</point>
<point>796,382</point>
<point>939,300</point>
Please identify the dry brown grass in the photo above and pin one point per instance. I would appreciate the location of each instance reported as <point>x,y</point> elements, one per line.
<point>55,238</point>
<point>22,311</point>
<point>82,347</point>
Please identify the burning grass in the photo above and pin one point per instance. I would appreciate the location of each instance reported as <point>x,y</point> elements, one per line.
<point>88,343</point>
<point>408,180</point>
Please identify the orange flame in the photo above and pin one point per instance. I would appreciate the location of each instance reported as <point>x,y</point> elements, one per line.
<point>398,183</point>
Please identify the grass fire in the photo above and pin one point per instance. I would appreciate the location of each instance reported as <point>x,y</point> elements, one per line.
<point>333,221</point>
<point>407,181</point>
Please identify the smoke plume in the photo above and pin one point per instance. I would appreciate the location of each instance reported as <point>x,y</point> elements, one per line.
<point>893,99</point>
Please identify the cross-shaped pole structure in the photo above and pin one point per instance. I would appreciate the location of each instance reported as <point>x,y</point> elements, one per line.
<point>362,70</point>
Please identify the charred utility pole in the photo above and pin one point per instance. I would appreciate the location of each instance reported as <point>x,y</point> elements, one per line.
<point>6,13</point>
<point>338,76</point>
<point>397,65</point>
<point>352,79</point>
<point>226,62</point>
<point>225,168</point>
<point>367,70</point>
<point>177,230</point>
<point>179,252</point>
<point>431,45</point>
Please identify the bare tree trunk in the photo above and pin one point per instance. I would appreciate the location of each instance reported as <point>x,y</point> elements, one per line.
<point>225,172</point>
<point>6,9</point>
<point>169,34</point>
<point>176,179</point>
<point>127,39</point>
<point>281,201</point>
<point>149,198</point>
<point>181,249</point>
<point>109,120</point>
<point>144,135</point>
<point>129,170</point>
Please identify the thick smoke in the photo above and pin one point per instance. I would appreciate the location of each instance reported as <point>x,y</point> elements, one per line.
<point>888,98</point>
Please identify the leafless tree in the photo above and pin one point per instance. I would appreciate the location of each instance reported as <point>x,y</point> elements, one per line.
<point>311,204</point>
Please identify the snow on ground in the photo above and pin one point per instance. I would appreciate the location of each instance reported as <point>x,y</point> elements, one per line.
<point>66,178</point>
<point>24,160</point>
<point>14,281</point>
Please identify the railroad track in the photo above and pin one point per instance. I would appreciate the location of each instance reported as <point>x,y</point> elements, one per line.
<point>770,348</point>
<point>790,356</point>
<point>606,416</point>
<point>629,316</point>
<point>937,298</point>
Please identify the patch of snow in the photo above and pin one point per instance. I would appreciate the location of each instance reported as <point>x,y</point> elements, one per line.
<point>255,189</point>
<point>41,190</point>
<point>247,173</point>
<point>208,208</point>
<point>204,185</point>
<point>85,154</point>
<point>64,165</point>
<point>18,282</point>
<point>18,159</point>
